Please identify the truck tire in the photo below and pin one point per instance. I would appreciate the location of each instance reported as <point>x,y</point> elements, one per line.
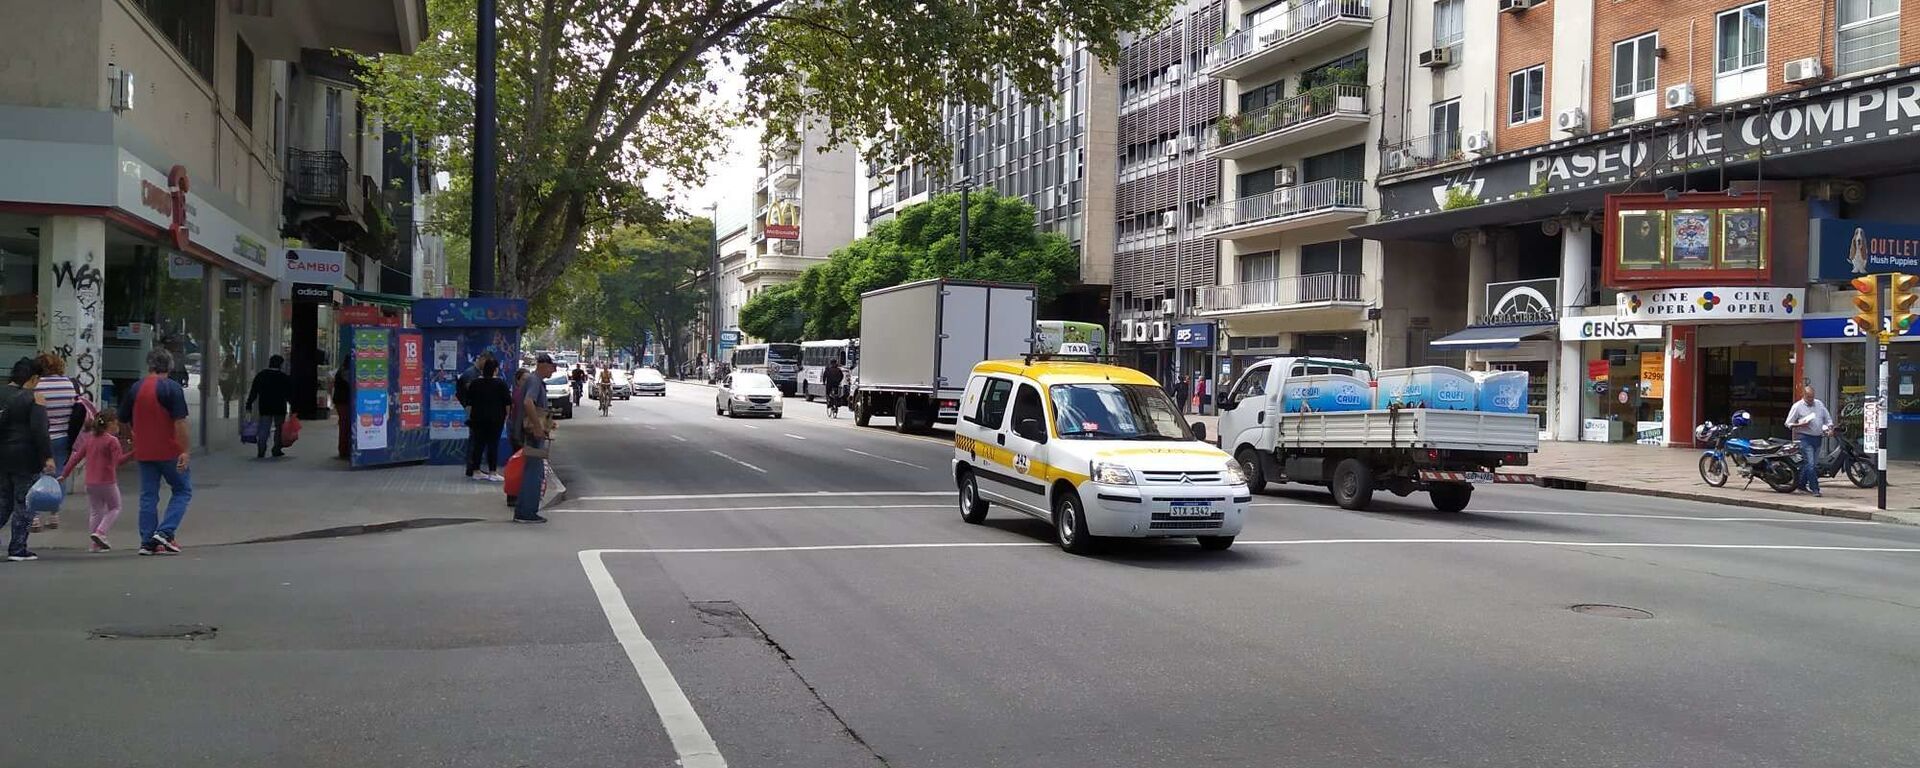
<point>805,392</point>
<point>1451,497</point>
<point>862,412</point>
<point>1352,484</point>
<point>902,421</point>
<point>1251,467</point>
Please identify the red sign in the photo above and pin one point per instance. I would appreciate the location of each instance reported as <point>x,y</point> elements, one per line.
<point>783,231</point>
<point>412,366</point>
<point>364,314</point>
<point>1597,370</point>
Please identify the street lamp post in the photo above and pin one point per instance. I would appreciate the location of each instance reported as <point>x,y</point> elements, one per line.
<point>480,278</point>
<point>713,270</point>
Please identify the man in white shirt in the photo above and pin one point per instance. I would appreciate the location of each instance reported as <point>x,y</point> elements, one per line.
<point>1810,422</point>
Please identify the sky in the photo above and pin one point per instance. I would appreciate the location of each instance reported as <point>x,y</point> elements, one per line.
<point>733,178</point>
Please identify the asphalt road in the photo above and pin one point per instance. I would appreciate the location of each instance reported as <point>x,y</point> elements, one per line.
<point>801,592</point>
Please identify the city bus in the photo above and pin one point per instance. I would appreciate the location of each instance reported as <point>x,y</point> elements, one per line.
<point>1050,334</point>
<point>780,362</point>
<point>814,356</point>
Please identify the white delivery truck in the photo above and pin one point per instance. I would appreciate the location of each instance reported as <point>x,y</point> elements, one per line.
<point>1298,419</point>
<point>920,341</point>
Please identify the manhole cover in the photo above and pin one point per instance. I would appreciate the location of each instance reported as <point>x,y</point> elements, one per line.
<point>1611,611</point>
<point>157,632</point>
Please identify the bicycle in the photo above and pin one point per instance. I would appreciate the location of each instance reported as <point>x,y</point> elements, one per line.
<point>835,399</point>
<point>604,393</point>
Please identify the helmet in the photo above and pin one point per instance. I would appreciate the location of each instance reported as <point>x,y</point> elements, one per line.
<point>1741,418</point>
<point>1703,432</point>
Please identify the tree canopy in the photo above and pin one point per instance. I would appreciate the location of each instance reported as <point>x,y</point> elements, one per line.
<point>653,279</point>
<point>596,94</point>
<point>922,242</point>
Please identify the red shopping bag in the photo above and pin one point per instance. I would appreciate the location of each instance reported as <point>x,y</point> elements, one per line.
<point>290,430</point>
<point>515,467</point>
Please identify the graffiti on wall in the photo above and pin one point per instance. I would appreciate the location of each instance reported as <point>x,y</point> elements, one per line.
<point>76,327</point>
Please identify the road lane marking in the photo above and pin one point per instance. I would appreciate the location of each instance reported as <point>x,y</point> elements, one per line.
<point>775,495</point>
<point>691,741</point>
<point>679,438</point>
<point>1704,518</point>
<point>766,509</point>
<point>1288,543</point>
<point>737,461</point>
<point>749,426</point>
<point>883,458</point>
<point>792,435</point>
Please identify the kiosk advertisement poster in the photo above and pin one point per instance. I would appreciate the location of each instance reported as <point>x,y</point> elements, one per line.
<point>457,332</point>
<point>370,372</point>
<point>412,397</point>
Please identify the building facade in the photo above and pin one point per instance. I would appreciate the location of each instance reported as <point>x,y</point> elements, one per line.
<point>803,210</point>
<point>1647,196</point>
<point>146,147</point>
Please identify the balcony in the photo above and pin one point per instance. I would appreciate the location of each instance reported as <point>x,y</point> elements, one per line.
<point>1318,112</point>
<point>318,178</point>
<point>1305,27</point>
<point>1295,292</point>
<point>1421,152</point>
<point>784,176</point>
<point>1325,201</point>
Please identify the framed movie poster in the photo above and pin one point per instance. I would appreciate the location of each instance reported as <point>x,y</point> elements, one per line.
<point>1643,239</point>
<point>1743,233</point>
<point>1691,239</point>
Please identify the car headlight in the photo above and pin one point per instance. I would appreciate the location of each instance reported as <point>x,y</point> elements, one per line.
<point>739,398</point>
<point>1108,473</point>
<point>1235,474</point>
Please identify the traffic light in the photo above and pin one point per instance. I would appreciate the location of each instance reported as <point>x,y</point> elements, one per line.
<point>1867,303</point>
<point>1900,311</point>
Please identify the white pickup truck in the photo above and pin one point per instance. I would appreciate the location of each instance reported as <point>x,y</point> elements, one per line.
<point>1352,453</point>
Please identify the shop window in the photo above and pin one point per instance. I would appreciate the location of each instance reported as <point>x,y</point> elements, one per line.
<point>1691,239</point>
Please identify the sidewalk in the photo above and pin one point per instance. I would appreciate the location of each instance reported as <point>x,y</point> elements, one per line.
<point>238,498</point>
<point>1675,473</point>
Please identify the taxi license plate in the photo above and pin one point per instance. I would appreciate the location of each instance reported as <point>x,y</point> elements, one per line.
<point>1190,509</point>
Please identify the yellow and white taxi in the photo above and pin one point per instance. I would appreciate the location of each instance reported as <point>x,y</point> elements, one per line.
<point>1096,450</point>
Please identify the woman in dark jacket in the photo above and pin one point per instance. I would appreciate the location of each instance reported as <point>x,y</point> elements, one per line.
<point>488,399</point>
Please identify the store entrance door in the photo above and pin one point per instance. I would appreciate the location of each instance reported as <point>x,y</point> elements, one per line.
<point>1756,378</point>
<point>1903,401</point>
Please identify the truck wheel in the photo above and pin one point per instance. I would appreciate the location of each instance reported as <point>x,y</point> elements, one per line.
<point>902,421</point>
<point>806,393</point>
<point>1215,543</point>
<point>972,508</point>
<point>1250,466</point>
<point>862,412</point>
<point>1352,484</point>
<point>1070,525</point>
<point>1450,498</point>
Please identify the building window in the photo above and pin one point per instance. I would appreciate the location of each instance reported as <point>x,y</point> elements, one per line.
<point>243,81</point>
<point>1869,35</point>
<point>188,25</point>
<point>1449,27</point>
<point>1635,74</point>
<point>1445,124</point>
<point>1742,39</point>
<point>1527,95</point>
<point>332,128</point>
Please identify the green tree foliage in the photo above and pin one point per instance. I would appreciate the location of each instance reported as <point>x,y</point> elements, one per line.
<point>651,279</point>
<point>595,93</point>
<point>923,242</point>
<point>773,314</point>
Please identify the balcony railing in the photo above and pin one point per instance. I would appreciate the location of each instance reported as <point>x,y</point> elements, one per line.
<point>784,174</point>
<point>318,177</point>
<point>1317,288</point>
<point>1316,103</point>
<point>1302,17</point>
<point>1289,201</point>
<point>1422,152</point>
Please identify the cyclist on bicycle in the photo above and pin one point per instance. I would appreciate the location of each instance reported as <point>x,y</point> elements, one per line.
<point>603,390</point>
<point>833,378</point>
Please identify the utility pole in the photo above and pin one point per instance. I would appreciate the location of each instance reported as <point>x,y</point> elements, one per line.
<point>713,271</point>
<point>480,279</point>
<point>966,172</point>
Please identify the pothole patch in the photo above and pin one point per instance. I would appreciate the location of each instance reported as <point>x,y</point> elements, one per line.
<point>1610,611</point>
<point>156,632</point>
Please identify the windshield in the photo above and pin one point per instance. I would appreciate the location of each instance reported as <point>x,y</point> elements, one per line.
<point>1115,412</point>
<point>752,381</point>
<point>783,353</point>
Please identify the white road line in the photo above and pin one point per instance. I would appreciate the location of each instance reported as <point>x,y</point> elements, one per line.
<point>737,461</point>
<point>764,509</point>
<point>679,438</point>
<point>1810,520</point>
<point>1290,543</point>
<point>792,435</point>
<point>691,741</point>
<point>883,458</point>
<point>777,495</point>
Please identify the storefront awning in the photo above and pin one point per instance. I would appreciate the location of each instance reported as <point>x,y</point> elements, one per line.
<point>1493,336</point>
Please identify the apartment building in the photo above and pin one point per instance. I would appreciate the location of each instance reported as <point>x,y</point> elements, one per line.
<point>733,235</point>
<point>1656,199</point>
<point>145,142</point>
<point>803,209</point>
<point>1163,257</point>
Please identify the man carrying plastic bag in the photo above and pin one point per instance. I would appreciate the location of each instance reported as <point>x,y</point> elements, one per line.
<point>26,455</point>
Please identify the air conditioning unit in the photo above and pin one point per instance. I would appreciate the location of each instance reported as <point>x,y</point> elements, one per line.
<point>1400,160</point>
<point>1516,6</point>
<point>1435,58</point>
<point>1140,330</point>
<point>1284,177</point>
<point>1679,96</point>
<point>1169,221</point>
<point>1166,306</point>
<point>1803,70</point>
<point>1479,142</point>
<point>1162,330</point>
<point>1571,120</point>
<point>1189,143</point>
<point>1171,150</point>
<point>1173,76</point>
<point>1126,330</point>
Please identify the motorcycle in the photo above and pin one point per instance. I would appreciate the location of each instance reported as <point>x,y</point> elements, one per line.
<point>1774,462</point>
<point>1847,457</point>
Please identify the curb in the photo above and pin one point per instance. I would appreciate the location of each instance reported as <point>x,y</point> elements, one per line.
<point>1852,514</point>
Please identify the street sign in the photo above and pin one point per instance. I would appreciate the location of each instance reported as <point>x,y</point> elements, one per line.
<point>1870,417</point>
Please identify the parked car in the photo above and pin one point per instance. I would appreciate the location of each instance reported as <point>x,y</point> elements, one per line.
<point>647,381</point>
<point>745,392</point>
<point>559,396</point>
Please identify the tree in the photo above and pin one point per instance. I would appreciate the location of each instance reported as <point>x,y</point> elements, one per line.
<point>654,280</point>
<point>595,93</point>
<point>774,314</point>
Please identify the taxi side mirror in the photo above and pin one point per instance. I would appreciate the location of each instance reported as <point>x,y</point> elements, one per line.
<point>1199,431</point>
<point>1030,429</point>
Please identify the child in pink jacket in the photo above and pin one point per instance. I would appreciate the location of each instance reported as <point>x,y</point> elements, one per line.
<point>101,451</point>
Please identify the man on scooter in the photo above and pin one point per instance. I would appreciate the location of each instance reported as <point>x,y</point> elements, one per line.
<point>1810,422</point>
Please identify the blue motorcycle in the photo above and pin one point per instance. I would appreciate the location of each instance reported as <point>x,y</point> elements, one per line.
<point>1774,462</point>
